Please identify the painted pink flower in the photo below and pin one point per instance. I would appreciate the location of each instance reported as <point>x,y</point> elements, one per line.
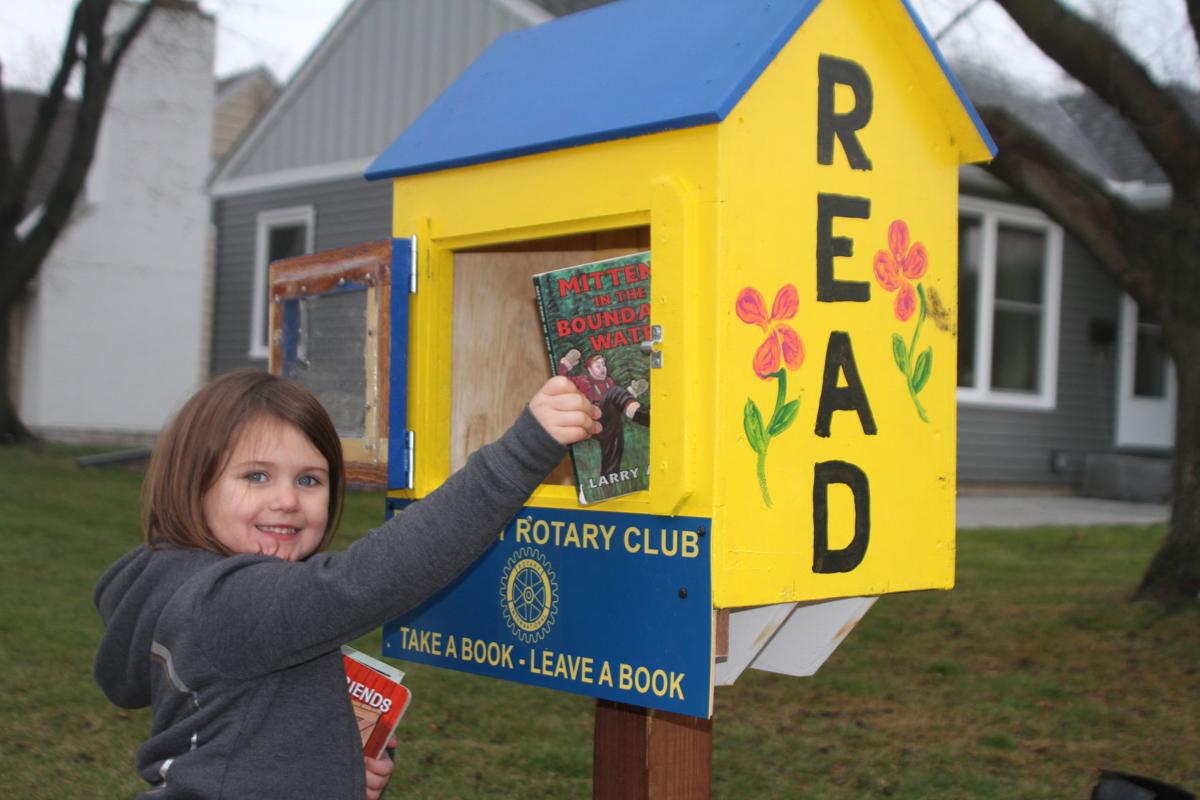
<point>782,341</point>
<point>899,265</point>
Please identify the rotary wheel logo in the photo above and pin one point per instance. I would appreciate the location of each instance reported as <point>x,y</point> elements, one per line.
<point>529,595</point>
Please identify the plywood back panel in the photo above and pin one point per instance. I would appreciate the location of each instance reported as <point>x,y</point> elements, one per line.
<point>499,351</point>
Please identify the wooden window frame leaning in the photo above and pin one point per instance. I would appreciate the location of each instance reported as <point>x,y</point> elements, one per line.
<point>326,272</point>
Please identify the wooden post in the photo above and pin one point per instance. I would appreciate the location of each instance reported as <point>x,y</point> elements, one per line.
<point>642,754</point>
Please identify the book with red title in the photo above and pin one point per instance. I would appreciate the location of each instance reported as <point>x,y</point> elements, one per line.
<point>379,698</point>
<point>596,322</point>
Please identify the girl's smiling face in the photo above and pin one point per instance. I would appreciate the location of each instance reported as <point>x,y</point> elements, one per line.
<point>272,494</point>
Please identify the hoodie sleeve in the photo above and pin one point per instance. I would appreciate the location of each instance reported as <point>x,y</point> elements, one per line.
<point>253,614</point>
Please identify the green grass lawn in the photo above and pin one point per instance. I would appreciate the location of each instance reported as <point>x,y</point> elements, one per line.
<point>1023,682</point>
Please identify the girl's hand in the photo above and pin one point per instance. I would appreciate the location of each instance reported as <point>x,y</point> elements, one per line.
<point>379,773</point>
<point>564,412</point>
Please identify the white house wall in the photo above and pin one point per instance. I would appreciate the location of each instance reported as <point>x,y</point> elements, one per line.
<point>112,330</point>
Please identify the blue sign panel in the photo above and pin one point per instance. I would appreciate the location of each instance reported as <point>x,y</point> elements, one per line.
<point>608,605</point>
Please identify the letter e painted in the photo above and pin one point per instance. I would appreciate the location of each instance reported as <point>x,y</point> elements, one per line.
<point>829,288</point>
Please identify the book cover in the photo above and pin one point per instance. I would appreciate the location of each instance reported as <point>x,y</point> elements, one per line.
<point>595,318</point>
<point>379,698</point>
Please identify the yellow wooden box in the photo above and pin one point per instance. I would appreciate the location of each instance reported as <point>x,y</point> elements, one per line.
<point>793,168</point>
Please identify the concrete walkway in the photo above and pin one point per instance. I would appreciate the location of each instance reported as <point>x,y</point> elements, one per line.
<point>981,511</point>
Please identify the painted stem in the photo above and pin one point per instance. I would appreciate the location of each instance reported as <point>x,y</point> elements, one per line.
<point>920,408</point>
<point>912,349</point>
<point>762,476</point>
<point>780,399</point>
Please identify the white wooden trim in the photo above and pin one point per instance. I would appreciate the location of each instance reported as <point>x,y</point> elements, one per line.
<point>1140,194</point>
<point>1021,215</point>
<point>972,176</point>
<point>526,10</point>
<point>991,213</point>
<point>307,215</point>
<point>1147,422</point>
<point>284,179</point>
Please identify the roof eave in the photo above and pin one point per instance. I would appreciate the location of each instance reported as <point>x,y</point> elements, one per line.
<point>974,141</point>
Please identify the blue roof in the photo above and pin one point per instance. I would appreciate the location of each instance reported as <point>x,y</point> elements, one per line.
<point>625,69</point>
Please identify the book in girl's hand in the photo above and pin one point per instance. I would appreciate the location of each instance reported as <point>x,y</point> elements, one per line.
<point>379,697</point>
<point>596,320</point>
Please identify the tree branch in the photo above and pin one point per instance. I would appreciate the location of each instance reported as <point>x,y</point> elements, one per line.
<point>1099,61</point>
<point>1073,198</point>
<point>6,156</point>
<point>1193,9</point>
<point>125,38</point>
<point>98,76</point>
<point>12,201</point>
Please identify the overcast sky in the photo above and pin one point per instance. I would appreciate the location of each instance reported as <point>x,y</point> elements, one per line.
<point>282,33</point>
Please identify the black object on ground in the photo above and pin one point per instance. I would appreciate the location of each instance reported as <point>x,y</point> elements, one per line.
<point>1122,786</point>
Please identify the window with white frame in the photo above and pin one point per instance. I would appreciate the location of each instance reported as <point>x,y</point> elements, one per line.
<point>1009,286</point>
<point>1151,362</point>
<point>281,233</point>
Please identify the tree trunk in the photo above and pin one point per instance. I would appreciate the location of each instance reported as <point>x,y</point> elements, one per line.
<point>99,56</point>
<point>1154,254</point>
<point>1173,578</point>
<point>12,430</point>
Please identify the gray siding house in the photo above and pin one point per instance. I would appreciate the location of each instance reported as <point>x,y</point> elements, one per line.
<point>1062,382</point>
<point>294,185</point>
<point>1063,379</point>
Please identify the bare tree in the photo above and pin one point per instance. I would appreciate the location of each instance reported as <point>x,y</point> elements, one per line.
<point>97,57</point>
<point>1154,254</point>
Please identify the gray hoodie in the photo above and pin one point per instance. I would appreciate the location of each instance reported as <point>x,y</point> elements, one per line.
<point>239,655</point>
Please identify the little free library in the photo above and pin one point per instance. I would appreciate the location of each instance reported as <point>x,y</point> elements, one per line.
<point>790,170</point>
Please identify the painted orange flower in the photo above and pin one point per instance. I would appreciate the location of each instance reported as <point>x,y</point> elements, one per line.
<point>782,341</point>
<point>898,266</point>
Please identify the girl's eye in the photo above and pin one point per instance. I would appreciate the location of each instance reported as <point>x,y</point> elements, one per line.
<point>308,480</point>
<point>256,477</point>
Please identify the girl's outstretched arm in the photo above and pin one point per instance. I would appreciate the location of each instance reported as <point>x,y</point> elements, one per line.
<point>254,614</point>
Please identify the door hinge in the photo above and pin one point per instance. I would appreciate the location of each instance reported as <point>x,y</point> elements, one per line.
<point>412,276</point>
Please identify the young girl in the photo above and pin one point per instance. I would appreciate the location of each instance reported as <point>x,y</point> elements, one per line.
<point>230,618</point>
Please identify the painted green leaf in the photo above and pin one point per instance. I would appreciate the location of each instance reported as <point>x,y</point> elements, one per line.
<point>922,369</point>
<point>900,353</point>
<point>784,417</point>
<point>752,421</point>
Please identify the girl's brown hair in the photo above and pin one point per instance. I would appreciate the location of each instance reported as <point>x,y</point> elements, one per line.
<point>191,452</point>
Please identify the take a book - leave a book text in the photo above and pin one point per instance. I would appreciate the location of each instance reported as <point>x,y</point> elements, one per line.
<point>379,697</point>
<point>595,317</point>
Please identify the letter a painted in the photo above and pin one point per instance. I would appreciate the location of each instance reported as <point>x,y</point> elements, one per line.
<point>839,358</point>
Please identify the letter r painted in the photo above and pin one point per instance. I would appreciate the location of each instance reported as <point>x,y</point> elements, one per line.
<point>831,71</point>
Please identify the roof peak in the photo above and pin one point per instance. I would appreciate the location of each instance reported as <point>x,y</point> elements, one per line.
<point>509,102</point>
